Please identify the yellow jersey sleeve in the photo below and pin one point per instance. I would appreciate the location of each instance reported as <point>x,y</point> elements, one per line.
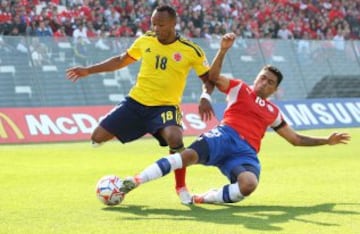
<point>164,69</point>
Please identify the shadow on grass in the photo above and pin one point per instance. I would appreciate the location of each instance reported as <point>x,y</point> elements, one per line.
<point>265,218</point>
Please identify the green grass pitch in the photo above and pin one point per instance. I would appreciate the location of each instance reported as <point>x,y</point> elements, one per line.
<point>50,188</point>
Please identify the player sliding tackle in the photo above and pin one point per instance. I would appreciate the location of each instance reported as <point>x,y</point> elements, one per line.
<point>233,146</point>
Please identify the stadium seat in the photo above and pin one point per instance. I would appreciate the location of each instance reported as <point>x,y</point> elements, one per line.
<point>8,69</point>
<point>23,90</point>
<point>246,58</point>
<point>116,97</point>
<point>49,68</point>
<point>111,82</point>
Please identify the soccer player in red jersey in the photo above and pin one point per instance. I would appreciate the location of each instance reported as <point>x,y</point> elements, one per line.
<point>233,146</point>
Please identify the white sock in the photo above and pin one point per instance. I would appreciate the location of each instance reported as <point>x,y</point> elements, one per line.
<point>234,193</point>
<point>214,196</point>
<point>227,192</point>
<point>154,171</point>
<point>175,161</point>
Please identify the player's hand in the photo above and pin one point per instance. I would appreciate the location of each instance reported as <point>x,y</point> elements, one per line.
<point>337,138</point>
<point>227,40</point>
<point>76,73</point>
<point>205,110</point>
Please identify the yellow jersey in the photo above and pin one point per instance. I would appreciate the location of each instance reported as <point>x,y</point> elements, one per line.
<point>164,69</point>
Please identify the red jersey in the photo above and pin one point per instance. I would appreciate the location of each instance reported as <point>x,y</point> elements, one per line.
<point>249,114</point>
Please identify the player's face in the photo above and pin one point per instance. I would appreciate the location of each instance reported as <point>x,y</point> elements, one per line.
<point>164,27</point>
<point>265,84</point>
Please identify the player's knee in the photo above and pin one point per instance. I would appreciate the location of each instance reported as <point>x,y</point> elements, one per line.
<point>247,183</point>
<point>189,157</point>
<point>247,189</point>
<point>174,138</point>
<point>100,135</point>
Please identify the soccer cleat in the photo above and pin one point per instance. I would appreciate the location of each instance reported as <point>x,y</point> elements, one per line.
<point>197,199</point>
<point>184,195</point>
<point>208,197</point>
<point>129,183</point>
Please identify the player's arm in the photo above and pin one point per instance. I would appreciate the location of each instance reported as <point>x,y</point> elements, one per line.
<point>221,82</point>
<point>297,139</point>
<point>108,65</point>
<point>205,108</point>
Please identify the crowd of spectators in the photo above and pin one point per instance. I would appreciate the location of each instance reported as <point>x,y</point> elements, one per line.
<point>283,19</point>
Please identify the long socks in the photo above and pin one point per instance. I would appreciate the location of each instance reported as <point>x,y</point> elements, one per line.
<point>228,194</point>
<point>160,168</point>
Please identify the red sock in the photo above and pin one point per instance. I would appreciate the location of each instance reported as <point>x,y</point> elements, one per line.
<point>180,178</point>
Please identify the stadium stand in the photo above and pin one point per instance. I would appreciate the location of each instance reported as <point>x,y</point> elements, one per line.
<point>336,86</point>
<point>314,19</point>
<point>24,82</point>
<point>308,40</point>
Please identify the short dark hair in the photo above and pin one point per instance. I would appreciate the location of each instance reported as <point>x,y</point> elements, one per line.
<point>168,9</point>
<point>275,71</point>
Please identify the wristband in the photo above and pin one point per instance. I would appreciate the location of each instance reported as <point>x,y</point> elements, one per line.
<point>206,96</point>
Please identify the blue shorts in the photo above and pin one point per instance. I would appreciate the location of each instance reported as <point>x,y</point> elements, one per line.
<point>130,120</point>
<point>222,147</point>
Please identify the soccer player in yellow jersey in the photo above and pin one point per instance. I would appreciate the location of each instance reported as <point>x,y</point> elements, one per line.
<point>152,105</point>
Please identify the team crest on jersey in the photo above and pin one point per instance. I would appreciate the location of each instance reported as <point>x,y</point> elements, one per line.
<point>177,57</point>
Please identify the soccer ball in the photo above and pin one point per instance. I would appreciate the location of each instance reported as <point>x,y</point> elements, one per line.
<point>107,190</point>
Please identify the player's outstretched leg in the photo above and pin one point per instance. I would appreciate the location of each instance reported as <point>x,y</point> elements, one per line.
<point>156,170</point>
<point>228,194</point>
<point>207,197</point>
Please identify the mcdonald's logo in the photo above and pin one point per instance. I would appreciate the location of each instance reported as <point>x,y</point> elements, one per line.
<point>3,133</point>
